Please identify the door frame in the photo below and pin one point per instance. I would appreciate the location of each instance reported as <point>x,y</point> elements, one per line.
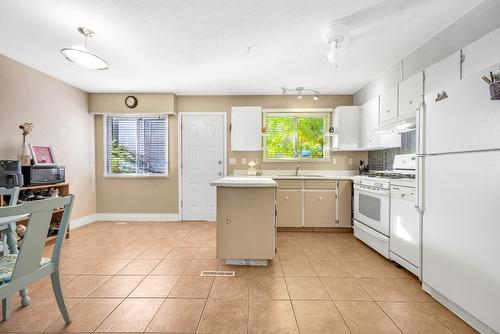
<point>179,149</point>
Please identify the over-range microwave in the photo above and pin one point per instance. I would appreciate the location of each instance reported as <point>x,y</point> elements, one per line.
<point>43,174</point>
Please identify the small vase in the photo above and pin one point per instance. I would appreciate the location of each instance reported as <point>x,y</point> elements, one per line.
<point>24,156</point>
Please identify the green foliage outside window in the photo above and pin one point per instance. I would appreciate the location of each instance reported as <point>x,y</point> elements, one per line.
<point>122,160</point>
<point>295,137</point>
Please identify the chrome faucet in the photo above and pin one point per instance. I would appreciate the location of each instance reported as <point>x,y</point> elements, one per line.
<point>297,170</point>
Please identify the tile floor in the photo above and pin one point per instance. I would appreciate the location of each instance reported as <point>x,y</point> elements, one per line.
<point>144,277</point>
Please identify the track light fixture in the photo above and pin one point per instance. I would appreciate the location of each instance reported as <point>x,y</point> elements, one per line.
<point>300,92</point>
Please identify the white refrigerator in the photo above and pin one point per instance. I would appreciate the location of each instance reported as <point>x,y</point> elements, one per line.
<point>459,176</point>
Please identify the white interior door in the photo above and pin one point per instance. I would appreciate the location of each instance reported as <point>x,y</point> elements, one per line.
<point>202,161</point>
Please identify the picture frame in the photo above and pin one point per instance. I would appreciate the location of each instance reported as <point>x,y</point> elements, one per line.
<point>42,155</point>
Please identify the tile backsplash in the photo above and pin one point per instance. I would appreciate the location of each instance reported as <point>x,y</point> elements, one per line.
<point>383,159</point>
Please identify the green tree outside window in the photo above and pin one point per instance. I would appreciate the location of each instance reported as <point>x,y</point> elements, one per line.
<point>295,136</point>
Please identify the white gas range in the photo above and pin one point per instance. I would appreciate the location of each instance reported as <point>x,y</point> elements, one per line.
<point>384,213</point>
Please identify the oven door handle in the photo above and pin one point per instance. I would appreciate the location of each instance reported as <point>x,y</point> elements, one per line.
<point>368,191</point>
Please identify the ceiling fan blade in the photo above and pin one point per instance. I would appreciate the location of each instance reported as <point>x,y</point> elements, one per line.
<point>371,16</point>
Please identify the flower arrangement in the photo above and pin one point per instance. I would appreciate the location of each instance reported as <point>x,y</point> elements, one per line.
<point>26,129</point>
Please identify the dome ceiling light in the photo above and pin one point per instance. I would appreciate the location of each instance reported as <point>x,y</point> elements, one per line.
<point>335,35</point>
<point>82,57</point>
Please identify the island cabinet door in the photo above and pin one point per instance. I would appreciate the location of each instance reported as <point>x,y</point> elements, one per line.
<point>289,207</point>
<point>320,208</point>
<point>246,223</point>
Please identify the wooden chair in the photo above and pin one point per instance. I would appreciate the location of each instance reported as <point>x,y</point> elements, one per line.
<point>20,270</point>
<point>8,228</point>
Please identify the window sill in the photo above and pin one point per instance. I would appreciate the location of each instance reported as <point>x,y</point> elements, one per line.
<point>297,160</point>
<point>135,176</point>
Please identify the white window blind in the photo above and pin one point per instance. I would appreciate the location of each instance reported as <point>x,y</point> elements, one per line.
<point>136,145</point>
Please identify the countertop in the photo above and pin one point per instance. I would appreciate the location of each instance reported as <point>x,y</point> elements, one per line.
<point>311,177</point>
<point>245,182</point>
<point>303,175</point>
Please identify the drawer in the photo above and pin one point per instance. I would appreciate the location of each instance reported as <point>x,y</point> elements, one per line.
<point>290,184</point>
<point>320,184</point>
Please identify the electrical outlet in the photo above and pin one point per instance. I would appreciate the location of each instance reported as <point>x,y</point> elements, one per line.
<point>257,161</point>
<point>351,161</point>
<point>232,161</point>
<point>243,161</point>
<point>334,161</point>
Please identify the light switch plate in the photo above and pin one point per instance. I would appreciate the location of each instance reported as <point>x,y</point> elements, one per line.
<point>334,161</point>
<point>351,161</point>
<point>243,161</point>
<point>232,161</point>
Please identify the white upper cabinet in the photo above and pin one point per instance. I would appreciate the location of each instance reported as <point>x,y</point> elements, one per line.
<point>389,105</point>
<point>411,94</point>
<point>442,73</point>
<point>481,54</point>
<point>369,122</point>
<point>371,140</point>
<point>246,127</point>
<point>346,125</point>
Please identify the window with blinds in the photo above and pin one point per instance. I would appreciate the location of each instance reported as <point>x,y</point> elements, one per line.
<point>296,136</point>
<point>136,145</point>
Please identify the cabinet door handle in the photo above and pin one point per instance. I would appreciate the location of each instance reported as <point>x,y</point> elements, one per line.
<point>387,111</point>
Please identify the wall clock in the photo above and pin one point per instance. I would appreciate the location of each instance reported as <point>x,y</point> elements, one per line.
<point>131,101</point>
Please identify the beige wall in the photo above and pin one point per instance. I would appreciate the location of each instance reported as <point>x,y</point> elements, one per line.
<point>61,119</point>
<point>159,195</point>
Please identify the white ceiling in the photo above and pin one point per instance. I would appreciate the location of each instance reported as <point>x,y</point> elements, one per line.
<point>200,46</point>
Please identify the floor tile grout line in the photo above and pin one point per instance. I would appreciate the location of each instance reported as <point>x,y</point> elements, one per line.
<point>331,299</point>
<point>388,316</point>
<point>290,299</point>
<point>204,306</point>
<point>154,315</point>
<point>111,276</point>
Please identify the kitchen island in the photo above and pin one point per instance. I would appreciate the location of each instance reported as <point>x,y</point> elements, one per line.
<point>246,220</point>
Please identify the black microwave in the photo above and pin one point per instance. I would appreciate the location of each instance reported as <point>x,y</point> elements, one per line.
<point>43,174</point>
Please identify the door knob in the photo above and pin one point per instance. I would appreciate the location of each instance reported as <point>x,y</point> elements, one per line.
<point>220,173</point>
<point>286,198</point>
<point>320,198</point>
<point>220,162</point>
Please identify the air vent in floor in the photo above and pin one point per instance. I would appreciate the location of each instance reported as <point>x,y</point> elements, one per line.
<point>219,273</point>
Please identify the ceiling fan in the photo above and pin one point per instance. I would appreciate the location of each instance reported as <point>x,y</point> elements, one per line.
<point>340,31</point>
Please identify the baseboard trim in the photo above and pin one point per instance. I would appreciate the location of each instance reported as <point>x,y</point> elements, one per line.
<point>82,221</point>
<point>167,217</point>
<point>474,322</point>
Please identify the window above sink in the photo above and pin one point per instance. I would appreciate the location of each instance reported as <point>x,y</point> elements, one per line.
<point>296,136</point>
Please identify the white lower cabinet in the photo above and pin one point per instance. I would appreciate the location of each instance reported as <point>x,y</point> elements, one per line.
<point>289,204</point>
<point>313,203</point>
<point>320,208</point>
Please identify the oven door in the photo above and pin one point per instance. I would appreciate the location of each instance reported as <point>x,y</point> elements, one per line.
<point>372,209</point>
